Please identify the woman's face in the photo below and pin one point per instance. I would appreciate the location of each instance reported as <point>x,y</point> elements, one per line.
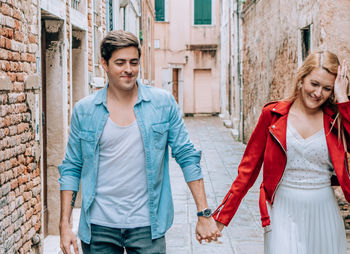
<point>316,88</point>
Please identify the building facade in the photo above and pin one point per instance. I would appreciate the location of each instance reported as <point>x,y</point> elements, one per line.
<point>50,59</point>
<point>187,53</point>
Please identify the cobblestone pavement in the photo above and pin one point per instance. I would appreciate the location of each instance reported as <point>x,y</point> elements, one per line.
<point>220,157</point>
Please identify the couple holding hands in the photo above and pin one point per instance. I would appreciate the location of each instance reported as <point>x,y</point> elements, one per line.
<point>118,150</point>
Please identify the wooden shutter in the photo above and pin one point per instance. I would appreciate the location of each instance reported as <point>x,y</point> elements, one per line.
<point>202,12</point>
<point>160,10</point>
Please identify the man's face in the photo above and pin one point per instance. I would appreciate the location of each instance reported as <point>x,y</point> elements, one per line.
<point>122,68</point>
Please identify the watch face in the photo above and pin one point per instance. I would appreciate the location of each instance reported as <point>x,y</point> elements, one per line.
<point>207,212</point>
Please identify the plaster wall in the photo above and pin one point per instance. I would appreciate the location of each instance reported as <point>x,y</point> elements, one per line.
<point>270,51</point>
<point>188,47</point>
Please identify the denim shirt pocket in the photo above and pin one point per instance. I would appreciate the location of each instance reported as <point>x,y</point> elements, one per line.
<point>160,134</point>
<point>87,140</point>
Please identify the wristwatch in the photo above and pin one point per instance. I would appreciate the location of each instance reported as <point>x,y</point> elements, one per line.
<point>205,213</point>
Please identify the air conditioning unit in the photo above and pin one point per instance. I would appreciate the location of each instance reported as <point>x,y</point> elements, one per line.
<point>98,82</point>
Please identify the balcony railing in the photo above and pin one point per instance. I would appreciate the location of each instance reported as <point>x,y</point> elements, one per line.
<point>75,4</point>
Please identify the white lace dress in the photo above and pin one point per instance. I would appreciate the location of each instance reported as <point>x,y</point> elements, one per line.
<point>305,217</point>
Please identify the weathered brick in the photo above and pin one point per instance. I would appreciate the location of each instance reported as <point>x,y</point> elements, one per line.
<point>2,215</point>
<point>19,36</point>
<point>33,202</point>
<point>3,98</point>
<point>9,242</point>
<point>3,202</point>
<point>32,38</point>
<point>27,246</point>
<point>17,235</point>
<point>14,184</point>
<point>17,14</point>
<point>36,180</point>
<point>6,10</point>
<point>6,188</point>
<point>19,201</point>
<point>27,195</point>
<point>12,206</point>
<point>18,223</point>
<point>37,207</point>
<point>6,222</point>
<point>8,43</point>
<point>13,130</point>
<point>11,197</point>
<point>16,56</point>
<point>36,191</point>
<point>3,54</point>
<point>18,46</point>
<point>14,216</point>
<point>17,25</point>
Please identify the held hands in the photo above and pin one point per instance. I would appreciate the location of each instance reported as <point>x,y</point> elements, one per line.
<point>207,230</point>
<point>341,84</point>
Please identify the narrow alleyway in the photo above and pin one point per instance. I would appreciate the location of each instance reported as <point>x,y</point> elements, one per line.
<point>220,157</point>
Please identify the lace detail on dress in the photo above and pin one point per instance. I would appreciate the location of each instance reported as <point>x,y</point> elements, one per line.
<point>308,161</point>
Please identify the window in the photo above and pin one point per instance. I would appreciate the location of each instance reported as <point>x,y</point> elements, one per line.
<point>305,42</point>
<point>110,15</point>
<point>160,10</point>
<point>202,12</point>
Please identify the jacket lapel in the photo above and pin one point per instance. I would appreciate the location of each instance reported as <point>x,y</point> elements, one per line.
<point>278,127</point>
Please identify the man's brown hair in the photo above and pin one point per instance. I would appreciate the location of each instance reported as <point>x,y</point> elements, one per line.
<point>115,40</point>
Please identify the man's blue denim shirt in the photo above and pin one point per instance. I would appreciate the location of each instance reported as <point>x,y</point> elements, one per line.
<point>161,125</point>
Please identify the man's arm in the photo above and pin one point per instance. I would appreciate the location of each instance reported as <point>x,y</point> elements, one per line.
<point>67,237</point>
<point>70,172</point>
<point>206,228</point>
<point>189,160</point>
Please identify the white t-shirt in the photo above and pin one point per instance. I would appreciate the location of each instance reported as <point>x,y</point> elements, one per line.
<point>121,199</point>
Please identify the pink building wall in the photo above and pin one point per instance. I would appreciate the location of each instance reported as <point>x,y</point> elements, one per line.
<point>192,49</point>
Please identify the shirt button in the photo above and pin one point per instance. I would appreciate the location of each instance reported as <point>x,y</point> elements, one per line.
<point>273,126</point>
<point>274,109</point>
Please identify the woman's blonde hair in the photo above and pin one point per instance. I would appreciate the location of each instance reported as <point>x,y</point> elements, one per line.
<point>329,62</point>
<point>318,59</point>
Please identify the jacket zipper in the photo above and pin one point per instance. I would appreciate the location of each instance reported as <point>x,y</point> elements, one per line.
<point>279,182</point>
<point>222,206</point>
<point>347,164</point>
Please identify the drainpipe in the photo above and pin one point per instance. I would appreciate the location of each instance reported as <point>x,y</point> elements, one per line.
<point>241,120</point>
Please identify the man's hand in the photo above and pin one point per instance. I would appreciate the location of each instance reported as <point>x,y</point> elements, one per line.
<point>67,238</point>
<point>207,230</point>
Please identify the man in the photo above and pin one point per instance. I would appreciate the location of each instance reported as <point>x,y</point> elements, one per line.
<point>118,148</point>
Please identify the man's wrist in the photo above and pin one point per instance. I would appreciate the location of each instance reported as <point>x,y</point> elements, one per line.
<point>206,213</point>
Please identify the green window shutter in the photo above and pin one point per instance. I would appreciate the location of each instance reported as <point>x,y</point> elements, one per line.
<point>202,12</point>
<point>160,10</point>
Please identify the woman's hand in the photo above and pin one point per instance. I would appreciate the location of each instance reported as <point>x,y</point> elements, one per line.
<point>341,84</point>
<point>220,226</point>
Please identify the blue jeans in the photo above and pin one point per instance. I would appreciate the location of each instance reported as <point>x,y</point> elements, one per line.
<point>105,240</point>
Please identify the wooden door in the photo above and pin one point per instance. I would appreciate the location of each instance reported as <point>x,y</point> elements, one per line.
<point>203,98</point>
<point>175,89</point>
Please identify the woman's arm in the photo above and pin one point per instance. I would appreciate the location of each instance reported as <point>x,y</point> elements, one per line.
<point>248,170</point>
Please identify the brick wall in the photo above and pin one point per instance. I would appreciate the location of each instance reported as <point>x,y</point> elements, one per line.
<point>20,182</point>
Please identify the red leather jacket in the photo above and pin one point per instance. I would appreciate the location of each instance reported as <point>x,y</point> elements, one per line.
<point>267,145</point>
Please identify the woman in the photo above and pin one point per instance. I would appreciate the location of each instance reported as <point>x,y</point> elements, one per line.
<point>301,142</point>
